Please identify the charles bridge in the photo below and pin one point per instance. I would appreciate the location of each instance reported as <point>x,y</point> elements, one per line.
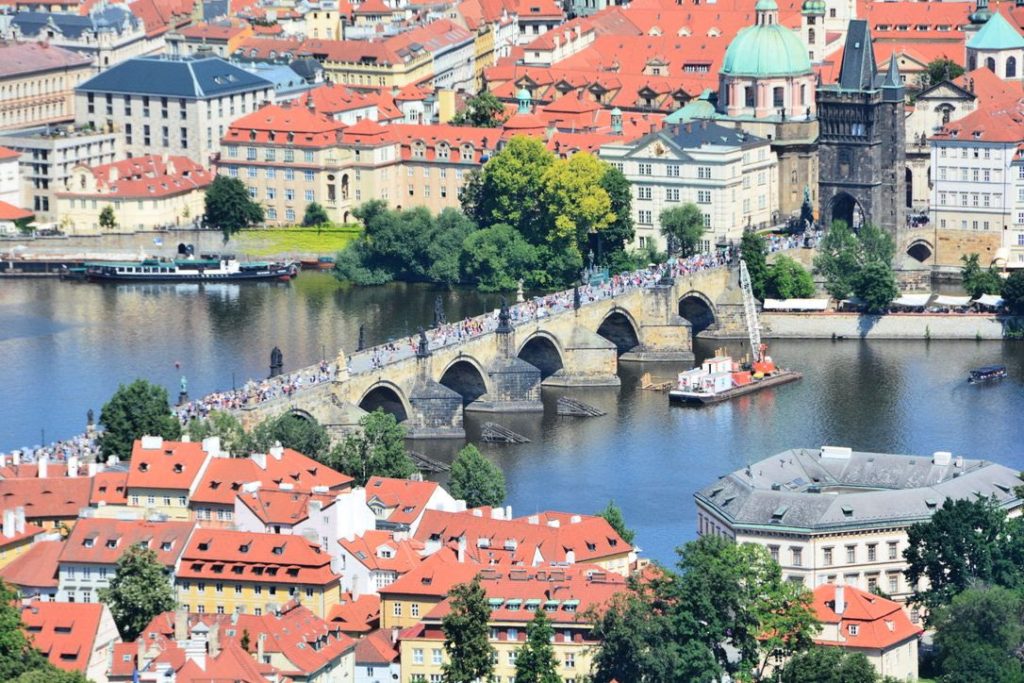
<point>502,367</point>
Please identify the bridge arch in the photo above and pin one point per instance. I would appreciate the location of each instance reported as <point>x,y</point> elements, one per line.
<point>698,309</point>
<point>620,328</point>
<point>389,397</point>
<point>302,414</point>
<point>544,352</point>
<point>920,250</point>
<point>467,377</point>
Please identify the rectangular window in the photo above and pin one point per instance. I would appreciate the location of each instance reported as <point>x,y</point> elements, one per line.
<point>872,552</point>
<point>396,609</point>
<point>672,194</point>
<point>644,169</point>
<point>289,155</point>
<point>703,196</point>
<point>894,583</point>
<point>309,195</point>
<point>414,609</point>
<point>250,153</point>
<point>851,554</point>
<point>307,156</point>
<point>798,556</point>
<point>435,656</point>
<point>673,170</point>
<point>417,656</point>
<point>644,217</point>
<point>643,192</point>
<point>827,560</point>
<point>704,172</point>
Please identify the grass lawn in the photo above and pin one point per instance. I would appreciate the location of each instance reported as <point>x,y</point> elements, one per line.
<point>294,242</point>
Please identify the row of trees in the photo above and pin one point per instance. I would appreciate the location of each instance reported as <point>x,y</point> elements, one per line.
<point>785,278</point>
<point>525,214</point>
<point>858,264</point>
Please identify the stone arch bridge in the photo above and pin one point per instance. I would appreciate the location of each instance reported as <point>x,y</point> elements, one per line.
<point>502,370</point>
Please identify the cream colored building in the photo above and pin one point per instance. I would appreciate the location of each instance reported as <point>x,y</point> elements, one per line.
<point>730,175</point>
<point>37,83</point>
<point>145,193</point>
<point>834,515</point>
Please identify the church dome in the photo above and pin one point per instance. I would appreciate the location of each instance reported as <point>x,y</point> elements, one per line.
<point>813,7</point>
<point>766,49</point>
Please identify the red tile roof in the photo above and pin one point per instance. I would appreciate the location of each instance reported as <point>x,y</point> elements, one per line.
<point>64,631</point>
<point>434,577</point>
<point>103,541</point>
<point>146,177</point>
<point>405,498</point>
<point>376,649</point>
<point>36,568</point>
<point>6,154</point>
<point>293,123</point>
<point>356,616</point>
<point>282,507</point>
<point>367,549</point>
<point>879,623</point>
<point>9,212</point>
<point>217,31</point>
<point>46,499</point>
<point>259,47</point>
<point>998,121</point>
<point>124,660</point>
<point>222,481</point>
<point>16,537</point>
<point>172,466</point>
<point>22,59</point>
<point>110,488</point>
<point>242,556</point>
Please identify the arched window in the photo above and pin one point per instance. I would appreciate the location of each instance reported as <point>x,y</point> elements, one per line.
<point>945,111</point>
<point>1011,67</point>
<point>990,64</point>
<point>972,63</point>
<point>810,36</point>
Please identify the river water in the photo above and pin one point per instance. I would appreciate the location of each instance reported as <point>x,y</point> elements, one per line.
<point>64,347</point>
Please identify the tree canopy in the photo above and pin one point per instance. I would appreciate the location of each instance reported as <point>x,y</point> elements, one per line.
<point>224,425</point>
<point>683,227</point>
<point>858,263</point>
<point>943,69</point>
<point>136,410</point>
<point>754,254</point>
<point>875,285</point>
<point>824,664</point>
<point>613,515</point>
<point>377,451</point>
<point>300,433</point>
<point>787,279</point>
<point>535,660</point>
<point>476,479</point>
<point>483,110</point>
<point>976,280</point>
<point>466,632</point>
<point>229,207</point>
<point>727,610</point>
<point>979,636</point>
<point>315,215</point>
<point>1013,291</point>
<point>139,591</point>
<point>108,221</point>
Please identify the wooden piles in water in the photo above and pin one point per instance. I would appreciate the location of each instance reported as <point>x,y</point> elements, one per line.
<point>576,408</point>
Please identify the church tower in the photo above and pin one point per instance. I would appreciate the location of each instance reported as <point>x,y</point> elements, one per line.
<point>861,146</point>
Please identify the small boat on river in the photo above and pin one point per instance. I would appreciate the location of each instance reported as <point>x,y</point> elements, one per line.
<point>721,378</point>
<point>207,268</point>
<point>987,373</point>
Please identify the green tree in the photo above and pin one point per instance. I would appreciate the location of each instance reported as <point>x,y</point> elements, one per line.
<point>943,69</point>
<point>575,201</point>
<point>16,652</point>
<point>965,542</point>
<point>876,245</point>
<point>476,480</point>
<point>444,248</point>
<point>838,260</point>
<point>136,410</point>
<point>535,660</point>
<point>511,189</point>
<point>25,226</point>
<point>620,232</point>
<point>466,633</point>
<point>51,674</point>
<point>222,424</point>
<point>315,216</point>
<point>979,635</point>
<point>483,110</point>
<point>139,591</point>
<point>1013,291</point>
<point>787,279</point>
<point>754,254</point>
<point>683,227</point>
<point>378,451</point>
<point>246,640</point>
<point>976,280</point>
<point>613,515</point>
<point>107,219</point>
<point>824,664</point>
<point>495,258</point>
<point>876,285</point>
<point>305,435</point>
<point>229,208</point>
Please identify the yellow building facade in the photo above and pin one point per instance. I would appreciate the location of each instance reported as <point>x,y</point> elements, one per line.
<point>226,596</point>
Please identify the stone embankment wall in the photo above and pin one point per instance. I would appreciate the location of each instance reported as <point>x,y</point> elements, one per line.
<point>891,326</point>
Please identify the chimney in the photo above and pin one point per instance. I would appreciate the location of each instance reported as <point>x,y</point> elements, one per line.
<point>462,549</point>
<point>8,523</point>
<point>277,450</point>
<point>260,459</point>
<point>91,469</point>
<point>508,512</point>
<point>211,446</point>
<point>3,460</point>
<point>214,639</point>
<point>44,462</point>
<point>533,519</point>
<point>840,601</point>
<point>394,634</point>
<point>259,646</point>
<point>73,466</point>
<point>16,458</point>
<point>180,624</point>
<point>19,519</point>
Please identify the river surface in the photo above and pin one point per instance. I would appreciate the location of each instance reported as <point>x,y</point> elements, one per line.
<point>64,347</point>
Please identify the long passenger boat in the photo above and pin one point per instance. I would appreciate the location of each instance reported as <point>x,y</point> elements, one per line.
<point>207,268</point>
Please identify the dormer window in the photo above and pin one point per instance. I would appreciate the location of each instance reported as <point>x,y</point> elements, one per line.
<point>89,542</point>
<point>143,467</point>
<point>244,548</point>
<point>278,550</point>
<point>178,468</point>
<point>166,545</point>
<point>112,542</point>
<point>204,546</point>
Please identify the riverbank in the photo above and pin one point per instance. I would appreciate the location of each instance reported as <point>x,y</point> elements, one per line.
<point>956,326</point>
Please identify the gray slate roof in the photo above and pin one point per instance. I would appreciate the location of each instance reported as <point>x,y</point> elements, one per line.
<point>100,19</point>
<point>801,490</point>
<point>189,78</point>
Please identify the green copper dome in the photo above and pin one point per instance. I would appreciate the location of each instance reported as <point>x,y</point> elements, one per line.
<point>766,50</point>
<point>813,7</point>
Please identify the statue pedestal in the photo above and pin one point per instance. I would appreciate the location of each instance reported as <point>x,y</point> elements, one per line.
<point>182,398</point>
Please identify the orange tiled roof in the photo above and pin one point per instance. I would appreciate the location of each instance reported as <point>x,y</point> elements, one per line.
<point>376,649</point>
<point>282,506</point>
<point>9,212</point>
<point>103,541</point>
<point>147,177</point>
<point>293,123</point>
<point>36,568</point>
<point>242,556</point>
<point>879,623</point>
<point>47,498</point>
<point>406,554</point>
<point>998,121</point>
<point>173,466</point>
<point>434,577</point>
<point>110,488</point>
<point>217,30</point>
<point>6,153</point>
<point>407,499</point>
<point>358,615</point>
<point>223,478</point>
<point>64,631</point>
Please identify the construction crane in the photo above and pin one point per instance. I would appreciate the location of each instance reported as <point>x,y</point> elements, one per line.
<point>750,314</point>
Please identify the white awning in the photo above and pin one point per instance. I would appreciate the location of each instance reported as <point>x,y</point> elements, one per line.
<point>795,304</point>
<point>942,300</point>
<point>913,300</point>
<point>990,300</point>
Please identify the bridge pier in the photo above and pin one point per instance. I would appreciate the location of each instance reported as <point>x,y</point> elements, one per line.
<point>730,319</point>
<point>665,335</point>
<point>589,360</point>
<point>436,412</point>
<point>515,388</point>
